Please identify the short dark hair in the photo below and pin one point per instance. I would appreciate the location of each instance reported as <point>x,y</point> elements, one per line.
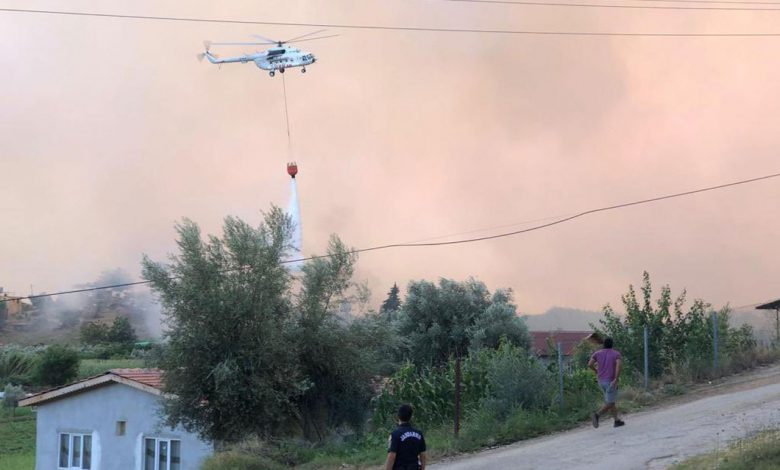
<point>405,412</point>
<point>608,343</point>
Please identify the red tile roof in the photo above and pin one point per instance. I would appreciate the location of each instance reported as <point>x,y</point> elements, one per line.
<point>148,380</point>
<point>150,377</point>
<point>568,339</point>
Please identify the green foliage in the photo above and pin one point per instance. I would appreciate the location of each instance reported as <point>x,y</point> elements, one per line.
<point>121,332</point>
<point>516,380</point>
<point>93,333</point>
<point>757,452</point>
<point>17,439</point>
<point>92,367</point>
<point>230,343</point>
<point>442,321</point>
<point>11,396</point>
<point>678,339</point>
<point>392,304</point>
<point>260,355</point>
<point>331,356</point>
<point>499,322</point>
<point>499,380</point>
<point>16,365</point>
<point>57,366</point>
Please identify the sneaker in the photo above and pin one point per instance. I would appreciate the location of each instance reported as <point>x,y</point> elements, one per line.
<point>619,423</point>
<point>594,418</point>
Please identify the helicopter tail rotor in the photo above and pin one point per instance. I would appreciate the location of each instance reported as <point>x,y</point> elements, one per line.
<point>206,47</point>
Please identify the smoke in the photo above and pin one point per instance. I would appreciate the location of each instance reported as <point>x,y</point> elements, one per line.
<point>294,212</point>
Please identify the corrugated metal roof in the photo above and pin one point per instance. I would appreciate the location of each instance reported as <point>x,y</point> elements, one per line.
<point>150,377</point>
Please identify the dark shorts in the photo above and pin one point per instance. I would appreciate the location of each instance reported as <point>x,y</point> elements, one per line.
<point>610,392</point>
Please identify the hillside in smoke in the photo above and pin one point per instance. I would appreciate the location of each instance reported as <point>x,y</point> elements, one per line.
<point>562,318</point>
<point>58,319</point>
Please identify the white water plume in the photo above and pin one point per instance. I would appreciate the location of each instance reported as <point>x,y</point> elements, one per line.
<point>294,211</point>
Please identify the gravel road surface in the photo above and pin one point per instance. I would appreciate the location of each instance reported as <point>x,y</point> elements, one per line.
<point>652,439</point>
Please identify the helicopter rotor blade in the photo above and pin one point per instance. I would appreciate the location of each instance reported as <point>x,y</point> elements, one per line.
<point>303,36</point>
<point>238,43</point>
<point>263,38</point>
<point>312,39</point>
<point>207,45</point>
<point>201,56</point>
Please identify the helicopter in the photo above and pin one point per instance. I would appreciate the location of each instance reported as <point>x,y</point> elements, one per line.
<point>277,58</point>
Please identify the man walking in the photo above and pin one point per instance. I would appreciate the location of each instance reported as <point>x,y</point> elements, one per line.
<point>407,444</point>
<point>606,363</point>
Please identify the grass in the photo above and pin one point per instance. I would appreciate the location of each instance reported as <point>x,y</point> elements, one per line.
<point>90,367</point>
<point>760,452</point>
<point>17,439</point>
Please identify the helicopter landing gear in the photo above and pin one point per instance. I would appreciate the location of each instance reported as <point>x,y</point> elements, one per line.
<point>303,70</point>
<point>272,73</point>
<point>281,70</point>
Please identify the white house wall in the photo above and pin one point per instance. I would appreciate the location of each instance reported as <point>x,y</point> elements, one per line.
<point>96,412</point>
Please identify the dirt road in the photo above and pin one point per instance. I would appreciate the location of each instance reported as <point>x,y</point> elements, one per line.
<point>652,439</point>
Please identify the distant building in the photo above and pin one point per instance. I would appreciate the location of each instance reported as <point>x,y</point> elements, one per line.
<point>111,422</point>
<point>543,341</point>
<point>13,304</point>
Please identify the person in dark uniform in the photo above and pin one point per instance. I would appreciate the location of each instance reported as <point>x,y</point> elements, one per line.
<point>407,444</point>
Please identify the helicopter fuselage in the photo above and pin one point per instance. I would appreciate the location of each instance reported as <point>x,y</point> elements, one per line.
<point>272,60</point>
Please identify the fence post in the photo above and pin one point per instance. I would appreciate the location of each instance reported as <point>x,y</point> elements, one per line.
<point>647,359</point>
<point>560,375</point>
<point>714,341</point>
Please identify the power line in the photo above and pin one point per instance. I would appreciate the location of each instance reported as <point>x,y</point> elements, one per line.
<point>383,28</point>
<point>711,2</point>
<point>461,241</point>
<point>612,5</point>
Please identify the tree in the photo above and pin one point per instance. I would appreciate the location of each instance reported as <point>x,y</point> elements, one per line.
<point>57,366</point>
<point>121,331</point>
<point>248,351</point>
<point>93,333</point>
<point>499,321</point>
<point>229,365</point>
<point>392,304</point>
<point>447,320</point>
<point>335,357</point>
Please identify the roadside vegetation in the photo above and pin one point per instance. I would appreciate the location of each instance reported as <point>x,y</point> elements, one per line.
<point>340,370</point>
<point>758,452</point>
<point>294,369</point>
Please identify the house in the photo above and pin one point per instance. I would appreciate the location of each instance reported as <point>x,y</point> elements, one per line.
<point>111,422</point>
<point>543,341</point>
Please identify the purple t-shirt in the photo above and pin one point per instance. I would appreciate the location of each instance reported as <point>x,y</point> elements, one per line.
<point>606,360</point>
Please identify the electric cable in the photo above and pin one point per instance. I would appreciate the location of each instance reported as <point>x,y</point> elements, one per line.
<point>611,5</point>
<point>461,241</point>
<point>386,28</point>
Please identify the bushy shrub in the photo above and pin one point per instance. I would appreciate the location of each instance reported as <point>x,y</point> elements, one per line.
<point>56,366</point>
<point>11,396</point>
<point>516,380</point>
<point>16,365</point>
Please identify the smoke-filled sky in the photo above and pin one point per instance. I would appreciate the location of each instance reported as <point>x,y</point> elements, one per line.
<point>111,131</point>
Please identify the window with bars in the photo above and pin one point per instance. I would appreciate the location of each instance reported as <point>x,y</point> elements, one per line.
<point>75,451</point>
<point>162,454</point>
